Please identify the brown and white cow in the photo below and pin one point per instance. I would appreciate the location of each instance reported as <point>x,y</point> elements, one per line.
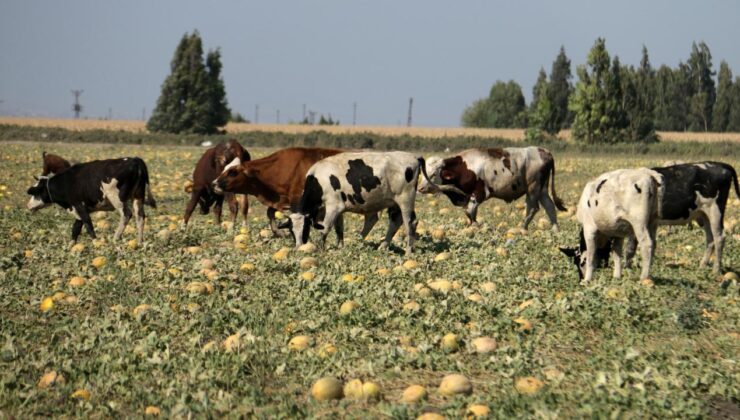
<point>208,168</point>
<point>506,174</point>
<point>100,185</point>
<point>617,205</point>
<point>359,182</point>
<point>53,164</point>
<point>277,180</point>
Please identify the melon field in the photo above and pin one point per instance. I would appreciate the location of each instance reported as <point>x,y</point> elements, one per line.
<point>221,321</point>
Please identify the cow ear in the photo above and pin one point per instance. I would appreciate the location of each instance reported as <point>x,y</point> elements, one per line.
<point>447,175</point>
<point>570,252</point>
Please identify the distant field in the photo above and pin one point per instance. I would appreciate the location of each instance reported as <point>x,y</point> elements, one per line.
<point>431,132</point>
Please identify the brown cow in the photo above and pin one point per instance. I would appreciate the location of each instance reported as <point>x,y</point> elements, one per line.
<point>54,164</point>
<point>277,180</point>
<point>206,170</point>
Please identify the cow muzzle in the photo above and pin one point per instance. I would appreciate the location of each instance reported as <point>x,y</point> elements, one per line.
<point>218,187</point>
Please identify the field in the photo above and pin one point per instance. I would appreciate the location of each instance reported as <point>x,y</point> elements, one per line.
<point>201,322</point>
<point>513,134</point>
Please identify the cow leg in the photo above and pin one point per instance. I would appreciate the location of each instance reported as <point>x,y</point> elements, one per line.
<point>617,256</point>
<point>194,197</point>
<point>125,213</point>
<point>139,214</point>
<point>273,224</point>
<point>394,222</point>
<point>646,237</point>
<point>339,229</point>
<point>589,235</point>
<point>532,208</point>
<point>409,223</point>
<point>87,221</point>
<point>217,208</point>
<point>370,221</point>
<point>233,208</point>
<point>549,206</point>
<point>244,207</point>
<point>471,210</point>
<point>715,220</point>
<point>330,218</point>
<point>76,229</point>
<point>630,250</point>
<point>710,242</point>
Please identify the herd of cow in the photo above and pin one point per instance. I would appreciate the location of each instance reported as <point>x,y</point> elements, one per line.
<point>318,185</point>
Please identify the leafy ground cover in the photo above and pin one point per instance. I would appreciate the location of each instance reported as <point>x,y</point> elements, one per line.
<point>204,321</point>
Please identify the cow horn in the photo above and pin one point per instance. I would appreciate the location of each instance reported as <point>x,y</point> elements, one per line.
<point>449,188</point>
<point>35,178</point>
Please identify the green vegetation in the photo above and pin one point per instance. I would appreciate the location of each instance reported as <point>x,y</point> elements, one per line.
<point>613,103</point>
<point>193,98</point>
<point>214,338</point>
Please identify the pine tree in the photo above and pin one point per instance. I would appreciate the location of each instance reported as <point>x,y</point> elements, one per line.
<point>559,90</point>
<point>589,101</point>
<point>193,97</point>
<point>639,104</point>
<point>704,94</point>
<point>540,110</point>
<point>722,107</point>
<point>733,123</point>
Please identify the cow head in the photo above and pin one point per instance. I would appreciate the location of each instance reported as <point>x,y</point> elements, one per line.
<point>299,226</point>
<point>39,193</point>
<point>232,176</point>
<point>578,255</point>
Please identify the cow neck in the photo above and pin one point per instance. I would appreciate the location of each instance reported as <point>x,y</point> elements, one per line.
<point>64,204</point>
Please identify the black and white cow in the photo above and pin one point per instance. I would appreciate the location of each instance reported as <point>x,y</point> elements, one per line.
<point>617,205</point>
<point>101,185</point>
<point>506,174</point>
<point>361,182</point>
<point>697,191</point>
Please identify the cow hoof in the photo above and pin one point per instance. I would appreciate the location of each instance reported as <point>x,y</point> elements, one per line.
<point>555,229</point>
<point>383,246</point>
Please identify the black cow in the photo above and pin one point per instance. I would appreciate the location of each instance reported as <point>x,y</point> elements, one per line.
<point>101,185</point>
<point>696,191</point>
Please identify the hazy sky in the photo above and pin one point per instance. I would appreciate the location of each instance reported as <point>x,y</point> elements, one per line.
<point>328,54</point>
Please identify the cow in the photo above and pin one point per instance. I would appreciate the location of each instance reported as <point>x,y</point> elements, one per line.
<point>506,174</point>
<point>277,180</point>
<point>615,206</point>
<point>53,164</point>
<point>696,192</point>
<point>358,182</point>
<point>208,168</point>
<point>100,185</point>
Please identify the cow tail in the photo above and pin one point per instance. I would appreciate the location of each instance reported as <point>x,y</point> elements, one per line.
<point>144,177</point>
<point>423,165</point>
<point>734,178</point>
<point>558,202</point>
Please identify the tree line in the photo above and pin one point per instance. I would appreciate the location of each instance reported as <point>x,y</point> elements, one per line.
<point>611,102</point>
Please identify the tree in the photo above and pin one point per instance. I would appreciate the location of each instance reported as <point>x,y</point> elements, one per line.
<point>589,100</point>
<point>723,105</point>
<point>504,108</point>
<point>558,93</point>
<point>638,100</point>
<point>193,97</point>
<point>703,96</point>
<point>733,123</point>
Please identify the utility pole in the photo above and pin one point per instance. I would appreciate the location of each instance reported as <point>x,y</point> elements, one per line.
<point>257,114</point>
<point>304,113</point>
<point>110,113</point>
<point>143,114</point>
<point>76,107</point>
<point>411,106</point>
<point>278,117</point>
<point>354,113</point>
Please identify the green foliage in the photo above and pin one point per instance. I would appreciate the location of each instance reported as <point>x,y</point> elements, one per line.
<point>701,77</point>
<point>559,90</point>
<point>733,123</point>
<point>638,90</point>
<point>723,106</point>
<point>504,108</point>
<point>612,348</point>
<point>193,97</point>
<point>672,92</point>
<point>238,118</point>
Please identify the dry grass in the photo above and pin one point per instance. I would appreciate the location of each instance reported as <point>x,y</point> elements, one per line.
<point>430,132</point>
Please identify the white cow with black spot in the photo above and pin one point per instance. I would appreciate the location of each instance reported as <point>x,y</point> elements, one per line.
<point>358,182</point>
<point>615,206</point>
<point>101,185</point>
